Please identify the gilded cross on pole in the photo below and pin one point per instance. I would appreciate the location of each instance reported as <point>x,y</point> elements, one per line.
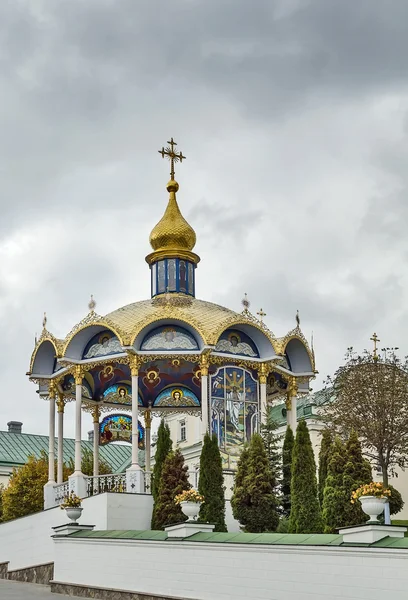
<point>261,314</point>
<point>171,155</point>
<point>375,339</point>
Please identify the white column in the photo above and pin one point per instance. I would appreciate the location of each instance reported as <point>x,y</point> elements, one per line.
<point>49,491</point>
<point>148,424</point>
<point>60,404</point>
<point>263,407</point>
<point>134,474</point>
<point>135,420</point>
<point>51,440</point>
<point>291,404</point>
<point>96,415</point>
<point>204,365</point>
<point>78,421</point>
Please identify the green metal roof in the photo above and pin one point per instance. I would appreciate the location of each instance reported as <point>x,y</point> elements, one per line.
<point>15,448</point>
<point>305,407</point>
<point>270,539</point>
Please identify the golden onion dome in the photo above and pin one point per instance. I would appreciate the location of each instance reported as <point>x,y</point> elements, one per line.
<point>172,232</point>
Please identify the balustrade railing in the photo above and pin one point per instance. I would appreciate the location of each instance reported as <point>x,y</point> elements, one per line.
<point>61,491</point>
<point>106,483</point>
<point>148,481</point>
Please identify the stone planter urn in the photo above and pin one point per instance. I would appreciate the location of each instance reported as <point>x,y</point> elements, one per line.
<point>372,506</point>
<point>191,509</point>
<point>73,513</point>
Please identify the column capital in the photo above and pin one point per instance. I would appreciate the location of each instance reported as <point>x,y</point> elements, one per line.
<point>79,372</point>
<point>135,362</point>
<point>291,392</point>
<point>148,418</point>
<point>96,413</point>
<point>60,403</point>
<point>263,372</point>
<point>51,389</point>
<point>204,363</point>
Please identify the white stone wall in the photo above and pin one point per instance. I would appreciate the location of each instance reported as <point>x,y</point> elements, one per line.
<point>27,541</point>
<point>203,571</point>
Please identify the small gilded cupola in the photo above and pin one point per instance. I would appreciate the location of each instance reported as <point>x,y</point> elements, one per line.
<point>172,262</point>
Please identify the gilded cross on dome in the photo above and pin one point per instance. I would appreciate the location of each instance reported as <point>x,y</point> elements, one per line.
<point>171,155</point>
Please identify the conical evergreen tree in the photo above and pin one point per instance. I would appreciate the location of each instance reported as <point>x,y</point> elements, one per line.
<point>324,456</point>
<point>357,471</point>
<point>271,442</point>
<point>240,496</point>
<point>287,452</point>
<point>305,516</point>
<point>335,497</point>
<point>163,448</point>
<point>174,480</point>
<point>259,510</point>
<point>211,484</point>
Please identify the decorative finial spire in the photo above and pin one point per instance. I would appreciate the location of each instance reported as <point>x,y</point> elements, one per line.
<point>246,303</point>
<point>172,156</point>
<point>312,343</point>
<point>92,304</point>
<point>44,323</point>
<point>375,339</point>
<point>261,314</point>
<point>297,319</point>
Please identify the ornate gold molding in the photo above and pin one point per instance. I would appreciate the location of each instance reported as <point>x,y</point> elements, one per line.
<point>148,418</point>
<point>96,413</point>
<point>263,371</point>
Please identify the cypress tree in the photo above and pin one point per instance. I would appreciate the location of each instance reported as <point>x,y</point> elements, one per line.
<point>324,457</point>
<point>305,515</point>
<point>357,471</point>
<point>259,502</point>
<point>240,497</point>
<point>174,480</point>
<point>287,452</point>
<point>271,443</point>
<point>211,484</point>
<point>335,497</point>
<point>163,447</point>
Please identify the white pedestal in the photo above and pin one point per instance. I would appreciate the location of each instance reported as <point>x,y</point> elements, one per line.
<point>69,528</point>
<point>77,484</point>
<point>369,534</point>
<point>134,480</point>
<point>49,495</point>
<point>183,530</point>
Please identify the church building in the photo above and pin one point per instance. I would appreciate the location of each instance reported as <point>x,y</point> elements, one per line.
<point>201,366</point>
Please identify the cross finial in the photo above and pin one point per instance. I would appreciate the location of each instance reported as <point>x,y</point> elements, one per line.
<point>375,339</point>
<point>297,319</point>
<point>44,323</point>
<point>92,304</point>
<point>245,303</point>
<point>261,314</point>
<point>172,156</point>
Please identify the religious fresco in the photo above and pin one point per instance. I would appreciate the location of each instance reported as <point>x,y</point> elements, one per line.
<point>102,344</point>
<point>176,397</point>
<point>236,342</point>
<point>234,411</point>
<point>169,338</point>
<point>162,374</point>
<point>119,393</point>
<point>69,388</point>
<point>118,428</point>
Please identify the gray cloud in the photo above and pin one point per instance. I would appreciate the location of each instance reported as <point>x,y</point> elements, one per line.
<point>293,117</point>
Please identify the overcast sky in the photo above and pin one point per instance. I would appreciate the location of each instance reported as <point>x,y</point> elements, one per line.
<point>293,118</point>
